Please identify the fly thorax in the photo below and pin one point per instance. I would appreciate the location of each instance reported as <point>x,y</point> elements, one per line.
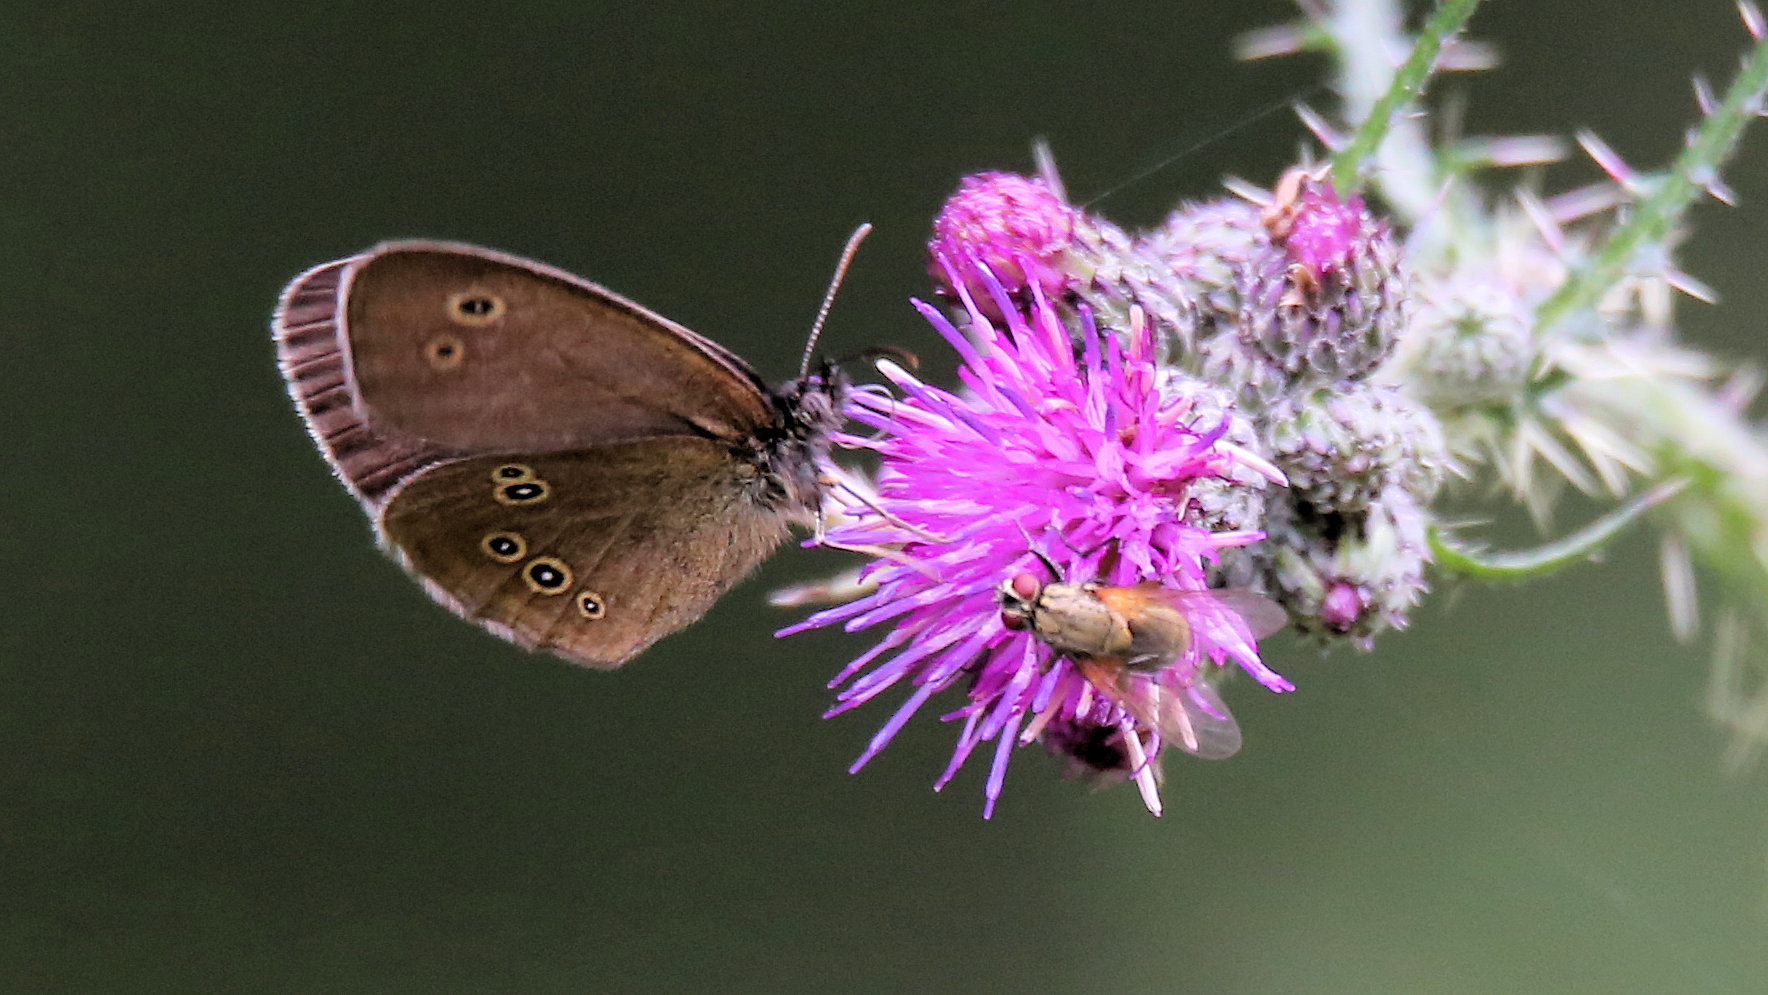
<point>1072,619</point>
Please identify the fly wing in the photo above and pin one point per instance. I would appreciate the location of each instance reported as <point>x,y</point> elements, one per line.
<point>1190,716</point>
<point>1218,735</point>
<point>1257,614</point>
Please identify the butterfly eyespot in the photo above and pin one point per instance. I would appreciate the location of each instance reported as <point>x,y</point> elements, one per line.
<point>445,352</point>
<point>475,307</point>
<point>523,492</point>
<point>590,604</point>
<point>512,472</point>
<point>504,547</point>
<point>547,575</point>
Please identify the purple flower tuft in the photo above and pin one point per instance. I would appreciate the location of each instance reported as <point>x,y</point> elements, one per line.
<point>1324,230</point>
<point>1343,607</point>
<point>1326,301</point>
<point>1013,225</point>
<point>1087,460</point>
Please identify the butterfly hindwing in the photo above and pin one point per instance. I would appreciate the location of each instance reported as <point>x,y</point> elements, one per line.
<point>593,554</point>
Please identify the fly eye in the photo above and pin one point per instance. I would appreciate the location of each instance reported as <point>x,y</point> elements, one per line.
<point>1025,587</point>
<point>1013,621</point>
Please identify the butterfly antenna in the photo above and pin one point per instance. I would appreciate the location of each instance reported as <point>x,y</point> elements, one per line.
<point>822,314</point>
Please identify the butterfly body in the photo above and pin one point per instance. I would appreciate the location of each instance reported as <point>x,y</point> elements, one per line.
<point>551,460</point>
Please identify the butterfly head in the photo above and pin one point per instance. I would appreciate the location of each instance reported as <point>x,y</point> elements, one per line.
<point>794,449</point>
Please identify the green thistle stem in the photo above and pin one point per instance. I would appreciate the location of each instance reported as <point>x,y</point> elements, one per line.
<point>1545,559</point>
<point>1671,193</point>
<point>1407,85</point>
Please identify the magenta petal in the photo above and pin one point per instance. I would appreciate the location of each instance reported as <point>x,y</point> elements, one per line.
<point>883,736</point>
<point>997,772</point>
<point>967,740</point>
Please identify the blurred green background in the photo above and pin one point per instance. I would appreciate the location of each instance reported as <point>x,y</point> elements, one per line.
<point>239,751</point>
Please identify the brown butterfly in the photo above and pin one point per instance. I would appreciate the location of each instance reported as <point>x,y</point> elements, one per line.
<point>564,467</point>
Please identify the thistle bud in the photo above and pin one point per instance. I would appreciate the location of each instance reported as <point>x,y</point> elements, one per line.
<point>1115,272</point>
<point>1097,751</point>
<point>1324,301</point>
<point>1014,225</point>
<point>1467,343</point>
<point>1183,274</point>
<point>1235,501</point>
<point>1345,575</point>
<point>1343,447</point>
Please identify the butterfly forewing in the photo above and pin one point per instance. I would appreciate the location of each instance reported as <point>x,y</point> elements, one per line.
<point>315,361</point>
<point>476,351</point>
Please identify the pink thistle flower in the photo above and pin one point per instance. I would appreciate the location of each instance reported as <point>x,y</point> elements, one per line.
<point>1015,226</point>
<point>1319,231</point>
<point>1326,300</point>
<point>1343,607</point>
<point>1087,461</point>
